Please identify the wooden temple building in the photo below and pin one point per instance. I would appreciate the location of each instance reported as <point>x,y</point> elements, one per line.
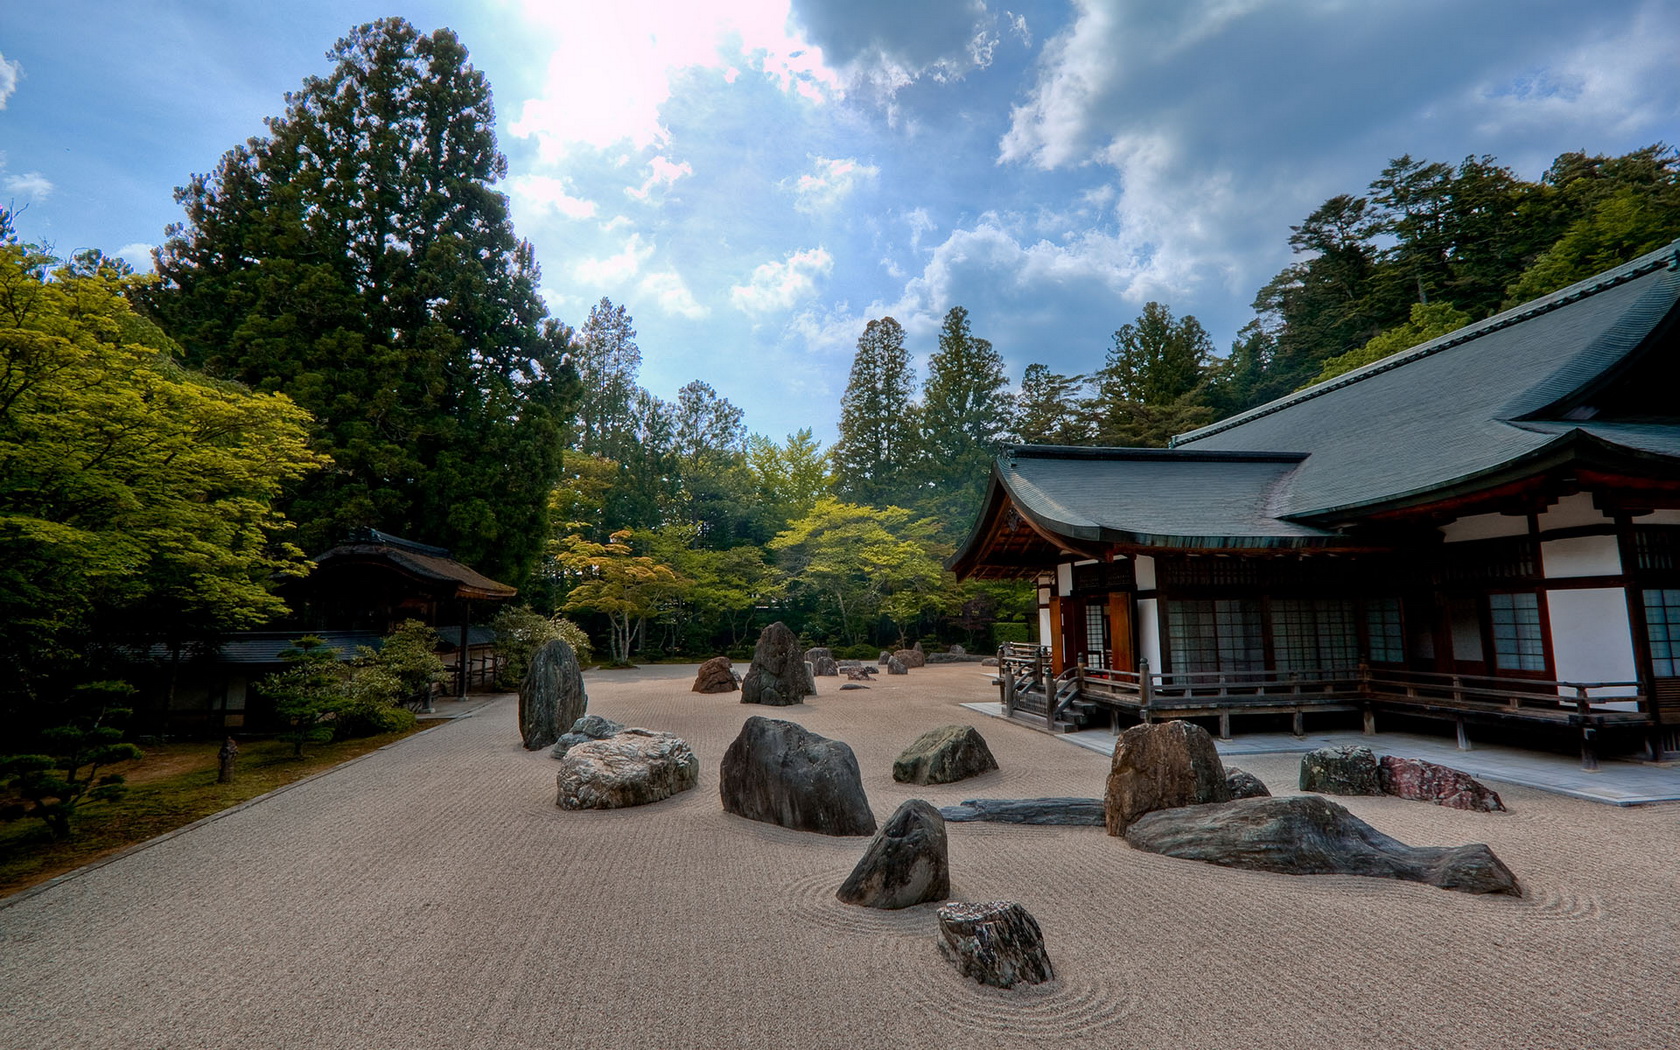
<point>1483,529</point>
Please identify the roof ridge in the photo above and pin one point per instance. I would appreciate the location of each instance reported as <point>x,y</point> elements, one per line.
<point>1177,455</point>
<point>1666,256</point>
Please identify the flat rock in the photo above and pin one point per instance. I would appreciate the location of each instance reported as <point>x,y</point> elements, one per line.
<point>1244,784</point>
<point>716,675</point>
<point>907,862</point>
<point>994,942</point>
<point>852,685</point>
<point>944,756</point>
<point>990,661</point>
<point>1311,835</point>
<point>1078,812</point>
<point>585,729</point>
<point>777,676</point>
<point>631,768</point>
<point>779,772</point>
<point>1162,766</point>
<point>1341,771</point>
<point>1422,781</point>
<point>551,697</point>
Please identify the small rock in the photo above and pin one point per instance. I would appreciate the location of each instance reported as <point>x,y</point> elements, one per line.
<point>1162,766</point>
<point>779,772</point>
<point>1341,771</point>
<point>885,656</point>
<point>631,768</point>
<point>944,756</point>
<point>551,696</point>
<point>1244,784</point>
<point>852,685</point>
<point>896,666</point>
<point>995,942</point>
<point>585,729</point>
<point>1311,835</point>
<point>818,653</point>
<point>990,661</point>
<point>1416,779</point>
<point>716,675</point>
<point>1077,812</point>
<point>825,667</point>
<point>906,863</point>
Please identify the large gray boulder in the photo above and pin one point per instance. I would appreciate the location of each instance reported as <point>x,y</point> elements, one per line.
<point>716,675</point>
<point>896,666</point>
<point>906,863</point>
<point>551,697</point>
<point>1422,781</point>
<point>1311,835</point>
<point>994,942</point>
<point>631,768</point>
<point>777,676</point>
<point>585,729</point>
<point>1079,812</point>
<point>1341,771</point>
<point>944,756</point>
<point>1162,766</point>
<point>779,772</point>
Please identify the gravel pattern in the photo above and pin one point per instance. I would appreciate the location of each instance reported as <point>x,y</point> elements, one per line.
<point>433,896</point>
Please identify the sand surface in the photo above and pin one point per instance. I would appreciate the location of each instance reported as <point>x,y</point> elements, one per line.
<point>433,895</point>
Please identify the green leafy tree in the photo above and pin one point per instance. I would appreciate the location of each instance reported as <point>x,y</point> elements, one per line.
<point>857,563</point>
<point>1150,386</point>
<point>309,694</point>
<point>1428,321</point>
<point>723,591</point>
<point>357,258</point>
<point>966,415</point>
<point>137,498</point>
<point>55,785</point>
<point>521,631</point>
<point>611,579</point>
<point>788,478</point>
<point>1049,408</point>
<point>876,448</point>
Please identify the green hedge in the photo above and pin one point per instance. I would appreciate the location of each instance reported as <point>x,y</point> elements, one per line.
<point>1011,632</point>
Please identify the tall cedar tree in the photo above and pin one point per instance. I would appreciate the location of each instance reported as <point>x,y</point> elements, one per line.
<point>607,360</point>
<point>877,432</point>
<point>357,258</point>
<point>1048,410</point>
<point>1151,385</point>
<point>966,415</point>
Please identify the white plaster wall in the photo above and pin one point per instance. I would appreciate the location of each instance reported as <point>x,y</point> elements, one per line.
<point>1149,631</point>
<point>1591,638</point>
<point>1571,511</point>
<point>1580,556</point>
<point>1659,517</point>
<point>1145,573</point>
<point>1484,527</point>
<point>1044,627</point>
<point>1064,579</point>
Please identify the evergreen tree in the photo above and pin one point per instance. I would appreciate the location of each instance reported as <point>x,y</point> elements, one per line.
<point>877,438</point>
<point>1049,408</point>
<point>1149,389</point>
<point>607,360</point>
<point>966,415</point>
<point>358,259</point>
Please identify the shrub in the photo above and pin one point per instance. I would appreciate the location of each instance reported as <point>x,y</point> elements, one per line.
<point>521,632</point>
<point>1010,632</point>
<point>56,785</point>
<point>309,694</point>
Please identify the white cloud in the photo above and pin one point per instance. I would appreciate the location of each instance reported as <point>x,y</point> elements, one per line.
<point>662,173</point>
<point>137,255</point>
<point>830,182</point>
<point>778,285</point>
<point>615,269</point>
<point>613,65</point>
<point>1076,68</point>
<point>31,185</point>
<point>547,191</point>
<point>10,73</point>
<point>671,295</point>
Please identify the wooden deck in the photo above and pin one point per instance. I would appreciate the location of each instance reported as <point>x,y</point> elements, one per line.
<point>1081,695</point>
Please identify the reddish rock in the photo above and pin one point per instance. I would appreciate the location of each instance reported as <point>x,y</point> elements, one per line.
<point>1414,778</point>
<point>911,657</point>
<point>1162,766</point>
<point>715,676</point>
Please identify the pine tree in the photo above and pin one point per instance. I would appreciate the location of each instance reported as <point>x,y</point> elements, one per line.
<point>1048,410</point>
<point>1151,386</point>
<point>607,359</point>
<point>966,415</point>
<point>877,440</point>
<point>358,259</point>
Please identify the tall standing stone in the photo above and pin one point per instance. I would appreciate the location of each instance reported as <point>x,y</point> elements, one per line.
<point>1162,766</point>
<point>777,676</point>
<point>551,697</point>
<point>779,772</point>
<point>907,862</point>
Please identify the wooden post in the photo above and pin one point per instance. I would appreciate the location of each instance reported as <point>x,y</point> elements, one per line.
<point>1224,725</point>
<point>1463,737</point>
<point>1146,689</point>
<point>1370,720</point>
<point>1589,732</point>
<point>1300,726</point>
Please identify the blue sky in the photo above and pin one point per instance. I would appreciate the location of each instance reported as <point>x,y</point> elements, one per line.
<point>754,181</point>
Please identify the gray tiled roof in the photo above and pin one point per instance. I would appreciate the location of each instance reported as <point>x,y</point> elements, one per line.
<point>1452,408</point>
<point>1155,497</point>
